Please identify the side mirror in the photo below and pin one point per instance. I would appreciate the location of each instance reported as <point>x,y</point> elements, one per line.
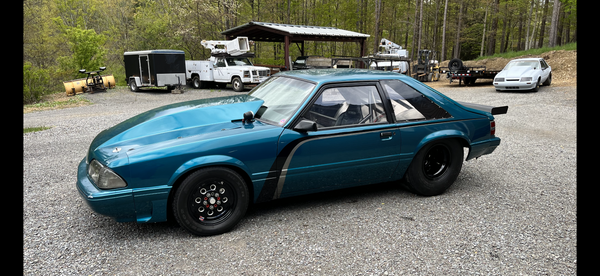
<point>248,117</point>
<point>305,126</point>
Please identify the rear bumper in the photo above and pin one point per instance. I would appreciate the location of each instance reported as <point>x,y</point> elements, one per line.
<point>482,148</point>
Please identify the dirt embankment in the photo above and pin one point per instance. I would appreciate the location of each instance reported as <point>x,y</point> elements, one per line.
<point>563,63</point>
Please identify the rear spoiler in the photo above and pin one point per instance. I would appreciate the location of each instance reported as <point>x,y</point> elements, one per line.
<point>490,109</point>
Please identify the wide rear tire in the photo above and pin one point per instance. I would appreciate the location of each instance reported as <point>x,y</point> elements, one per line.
<point>435,167</point>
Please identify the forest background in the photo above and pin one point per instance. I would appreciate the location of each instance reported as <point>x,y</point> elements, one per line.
<point>62,36</point>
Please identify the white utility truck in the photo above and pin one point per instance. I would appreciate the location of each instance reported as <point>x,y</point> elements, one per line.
<point>228,63</point>
<point>389,53</point>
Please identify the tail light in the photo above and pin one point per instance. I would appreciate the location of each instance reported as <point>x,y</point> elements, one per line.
<point>492,128</point>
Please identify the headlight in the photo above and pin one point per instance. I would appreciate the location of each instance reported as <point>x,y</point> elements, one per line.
<point>499,79</point>
<point>524,79</point>
<point>104,177</point>
<point>246,74</point>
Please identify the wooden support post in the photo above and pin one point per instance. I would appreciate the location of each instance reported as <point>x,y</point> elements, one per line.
<point>288,66</point>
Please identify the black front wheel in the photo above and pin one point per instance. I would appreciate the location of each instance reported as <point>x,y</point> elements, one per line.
<point>435,167</point>
<point>211,201</point>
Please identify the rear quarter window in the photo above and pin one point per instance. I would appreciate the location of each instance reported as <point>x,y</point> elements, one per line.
<point>410,104</point>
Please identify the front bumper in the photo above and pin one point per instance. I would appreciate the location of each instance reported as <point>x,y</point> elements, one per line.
<point>117,203</point>
<point>254,80</point>
<point>515,85</point>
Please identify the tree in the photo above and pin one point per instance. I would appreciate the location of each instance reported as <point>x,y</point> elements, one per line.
<point>492,36</point>
<point>87,51</point>
<point>554,24</point>
<point>444,32</point>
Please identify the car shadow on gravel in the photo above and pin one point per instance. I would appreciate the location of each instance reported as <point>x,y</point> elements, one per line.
<point>352,195</point>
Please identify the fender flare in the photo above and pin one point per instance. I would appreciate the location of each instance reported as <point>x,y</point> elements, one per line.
<point>445,134</point>
<point>137,80</point>
<point>207,161</point>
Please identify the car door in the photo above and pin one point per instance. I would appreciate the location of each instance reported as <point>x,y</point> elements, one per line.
<point>354,143</point>
<point>545,70</point>
<point>221,73</point>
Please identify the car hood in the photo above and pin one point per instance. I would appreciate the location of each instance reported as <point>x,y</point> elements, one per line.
<point>517,72</point>
<point>171,122</point>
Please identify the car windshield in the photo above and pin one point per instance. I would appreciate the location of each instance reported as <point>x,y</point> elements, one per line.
<point>282,96</point>
<point>515,63</point>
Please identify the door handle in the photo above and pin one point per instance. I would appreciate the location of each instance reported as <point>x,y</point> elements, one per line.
<point>386,135</point>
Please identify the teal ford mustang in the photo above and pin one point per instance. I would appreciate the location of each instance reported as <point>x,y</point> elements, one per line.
<point>298,132</point>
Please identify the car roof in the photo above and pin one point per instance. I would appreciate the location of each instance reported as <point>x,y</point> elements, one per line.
<point>341,75</point>
<point>524,59</point>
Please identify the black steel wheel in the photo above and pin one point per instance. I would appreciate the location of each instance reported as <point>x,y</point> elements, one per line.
<point>435,167</point>
<point>211,201</point>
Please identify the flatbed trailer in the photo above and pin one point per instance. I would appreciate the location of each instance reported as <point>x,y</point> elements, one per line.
<point>469,75</point>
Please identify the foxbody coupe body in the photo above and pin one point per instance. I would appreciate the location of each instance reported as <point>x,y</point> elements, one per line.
<point>298,132</point>
<point>523,74</point>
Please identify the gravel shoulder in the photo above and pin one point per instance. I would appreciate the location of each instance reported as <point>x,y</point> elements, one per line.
<point>509,213</point>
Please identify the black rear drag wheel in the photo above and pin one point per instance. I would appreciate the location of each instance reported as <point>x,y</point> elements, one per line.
<point>435,167</point>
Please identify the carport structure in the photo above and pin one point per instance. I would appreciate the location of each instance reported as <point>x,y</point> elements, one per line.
<point>286,33</point>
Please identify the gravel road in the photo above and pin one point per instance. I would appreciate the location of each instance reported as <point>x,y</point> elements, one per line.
<point>509,213</point>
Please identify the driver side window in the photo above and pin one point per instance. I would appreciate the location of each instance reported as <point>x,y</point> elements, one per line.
<point>346,106</point>
<point>220,62</point>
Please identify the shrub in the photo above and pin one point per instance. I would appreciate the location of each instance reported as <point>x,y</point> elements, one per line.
<point>36,82</point>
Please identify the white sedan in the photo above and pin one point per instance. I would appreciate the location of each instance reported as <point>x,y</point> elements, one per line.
<point>524,74</point>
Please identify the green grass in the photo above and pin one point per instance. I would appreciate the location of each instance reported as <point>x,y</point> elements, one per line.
<point>509,55</point>
<point>34,129</point>
<point>56,101</point>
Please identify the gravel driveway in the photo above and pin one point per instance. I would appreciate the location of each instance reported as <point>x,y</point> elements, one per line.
<point>509,213</point>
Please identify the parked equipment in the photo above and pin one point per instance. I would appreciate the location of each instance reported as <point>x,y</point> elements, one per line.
<point>228,64</point>
<point>94,82</point>
<point>456,70</point>
<point>427,68</point>
<point>390,57</point>
<point>155,68</point>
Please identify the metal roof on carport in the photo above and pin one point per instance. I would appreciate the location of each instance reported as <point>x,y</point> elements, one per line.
<point>286,33</point>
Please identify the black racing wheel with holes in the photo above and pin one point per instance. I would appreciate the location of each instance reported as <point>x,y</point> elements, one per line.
<point>435,167</point>
<point>211,201</point>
